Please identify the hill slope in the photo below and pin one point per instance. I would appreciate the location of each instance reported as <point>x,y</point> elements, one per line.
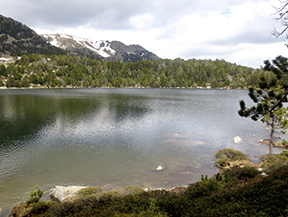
<point>16,38</point>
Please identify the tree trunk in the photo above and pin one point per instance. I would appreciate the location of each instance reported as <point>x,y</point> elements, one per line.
<point>271,137</point>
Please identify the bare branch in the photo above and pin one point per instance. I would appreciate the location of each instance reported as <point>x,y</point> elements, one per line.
<point>282,13</point>
<point>277,34</point>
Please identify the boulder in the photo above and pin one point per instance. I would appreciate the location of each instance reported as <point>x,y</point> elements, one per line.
<point>237,139</point>
<point>62,193</point>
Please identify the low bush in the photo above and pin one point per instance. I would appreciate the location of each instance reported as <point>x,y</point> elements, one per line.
<point>88,191</point>
<point>271,162</point>
<point>242,174</point>
<point>223,156</point>
<point>35,195</point>
<point>130,190</point>
<point>42,207</point>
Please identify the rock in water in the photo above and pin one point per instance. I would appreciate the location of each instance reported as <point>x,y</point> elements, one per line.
<point>237,139</point>
<point>159,168</point>
<point>61,193</point>
<point>275,144</point>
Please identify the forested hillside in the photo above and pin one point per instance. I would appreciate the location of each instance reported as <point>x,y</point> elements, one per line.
<point>34,70</point>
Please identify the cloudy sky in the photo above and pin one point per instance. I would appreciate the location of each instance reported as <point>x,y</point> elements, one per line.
<point>238,31</point>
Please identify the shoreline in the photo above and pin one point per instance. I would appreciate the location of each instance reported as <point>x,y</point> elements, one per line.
<point>130,87</point>
<point>6,210</point>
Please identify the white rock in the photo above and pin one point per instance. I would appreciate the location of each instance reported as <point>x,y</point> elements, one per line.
<point>61,192</point>
<point>159,168</point>
<point>237,139</point>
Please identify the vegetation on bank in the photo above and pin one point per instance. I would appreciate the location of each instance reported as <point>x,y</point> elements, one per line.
<point>227,156</point>
<point>34,70</point>
<point>238,191</point>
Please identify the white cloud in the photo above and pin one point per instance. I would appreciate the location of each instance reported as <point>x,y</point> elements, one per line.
<point>141,21</point>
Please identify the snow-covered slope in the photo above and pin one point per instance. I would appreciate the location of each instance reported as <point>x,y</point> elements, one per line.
<point>65,41</point>
<point>108,50</point>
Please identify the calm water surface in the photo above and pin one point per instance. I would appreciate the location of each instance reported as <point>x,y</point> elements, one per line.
<point>113,138</point>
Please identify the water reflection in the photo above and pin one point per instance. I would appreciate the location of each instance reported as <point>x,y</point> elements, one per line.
<point>116,137</point>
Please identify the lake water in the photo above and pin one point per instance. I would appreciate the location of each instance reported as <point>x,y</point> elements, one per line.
<point>113,138</point>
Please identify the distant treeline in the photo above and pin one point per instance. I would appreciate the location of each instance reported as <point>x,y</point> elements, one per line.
<point>63,71</point>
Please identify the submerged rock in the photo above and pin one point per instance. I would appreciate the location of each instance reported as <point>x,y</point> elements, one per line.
<point>62,193</point>
<point>275,144</point>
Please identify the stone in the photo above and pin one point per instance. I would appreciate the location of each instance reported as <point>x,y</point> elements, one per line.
<point>240,163</point>
<point>275,144</point>
<point>62,193</point>
<point>159,168</point>
<point>237,139</point>
<point>178,189</point>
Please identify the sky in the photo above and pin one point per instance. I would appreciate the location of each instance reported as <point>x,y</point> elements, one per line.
<point>238,31</point>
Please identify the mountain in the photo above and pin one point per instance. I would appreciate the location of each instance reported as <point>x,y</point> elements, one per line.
<point>108,50</point>
<point>17,38</point>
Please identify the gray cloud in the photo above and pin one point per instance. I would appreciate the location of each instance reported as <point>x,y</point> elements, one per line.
<point>112,14</point>
<point>109,14</point>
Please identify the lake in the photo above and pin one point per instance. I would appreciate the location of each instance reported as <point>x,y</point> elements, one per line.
<point>113,138</point>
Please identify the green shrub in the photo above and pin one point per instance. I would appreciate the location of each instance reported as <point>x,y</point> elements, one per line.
<point>35,195</point>
<point>223,156</point>
<point>245,173</point>
<point>203,179</point>
<point>285,153</point>
<point>201,189</point>
<point>271,162</point>
<point>130,190</point>
<point>42,206</point>
<point>88,191</point>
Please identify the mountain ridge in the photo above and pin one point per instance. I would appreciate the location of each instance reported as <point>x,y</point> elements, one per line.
<point>17,38</point>
<point>100,49</point>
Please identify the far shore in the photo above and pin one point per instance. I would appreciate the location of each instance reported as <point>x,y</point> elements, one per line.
<point>108,87</point>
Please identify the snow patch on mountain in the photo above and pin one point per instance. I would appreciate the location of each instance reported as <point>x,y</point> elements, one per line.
<point>101,47</point>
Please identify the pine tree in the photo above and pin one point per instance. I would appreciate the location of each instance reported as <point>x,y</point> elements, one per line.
<point>269,99</point>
